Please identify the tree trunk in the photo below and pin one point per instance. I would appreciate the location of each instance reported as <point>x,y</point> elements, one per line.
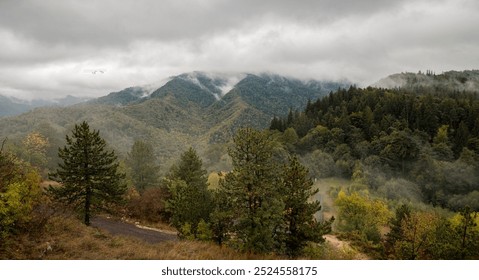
<point>87,206</point>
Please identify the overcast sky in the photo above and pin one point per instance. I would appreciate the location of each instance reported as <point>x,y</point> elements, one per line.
<point>52,48</point>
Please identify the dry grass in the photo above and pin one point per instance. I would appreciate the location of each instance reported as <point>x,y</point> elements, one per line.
<point>328,251</point>
<point>68,239</point>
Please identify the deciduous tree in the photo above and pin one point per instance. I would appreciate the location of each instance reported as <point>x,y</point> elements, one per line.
<point>19,193</point>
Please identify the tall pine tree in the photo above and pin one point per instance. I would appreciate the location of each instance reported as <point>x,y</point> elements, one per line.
<point>142,163</point>
<point>300,226</point>
<point>89,174</point>
<point>252,191</point>
<point>190,201</point>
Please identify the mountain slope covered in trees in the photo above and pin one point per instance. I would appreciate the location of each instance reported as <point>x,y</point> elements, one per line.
<point>192,109</point>
<point>430,139</point>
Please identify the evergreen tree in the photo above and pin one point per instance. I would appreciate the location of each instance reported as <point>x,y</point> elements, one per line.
<point>441,145</point>
<point>190,201</point>
<point>252,190</point>
<point>298,215</point>
<point>221,222</point>
<point>89,174</point>
<point>142,163</point>
<point>396,234</point>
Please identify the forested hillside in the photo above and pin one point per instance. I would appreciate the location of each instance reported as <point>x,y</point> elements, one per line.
<point>430,139</point>
<point>193,109</point>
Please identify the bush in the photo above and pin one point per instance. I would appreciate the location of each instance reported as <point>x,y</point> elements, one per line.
<point>149,206</point>
<point>20,194</point>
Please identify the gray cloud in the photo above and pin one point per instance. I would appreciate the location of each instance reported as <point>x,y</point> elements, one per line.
<point>47,46</point>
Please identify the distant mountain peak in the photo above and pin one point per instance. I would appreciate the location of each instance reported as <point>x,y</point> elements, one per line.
<point>123,97</point>
<point>218,84</point>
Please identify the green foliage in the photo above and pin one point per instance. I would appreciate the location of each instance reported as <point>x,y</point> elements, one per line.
<point>142,165</point>
<point>221,219</point>
<point>88,175</point>
<point>190,200</point>
<point>399,149</point>
<point>19,193</point>
<point>204,232</point>
<point>252,191</point>
<point>36,145</point>
<point>428,235</point>
<point>320,164</point>
<point>417,230</point>
<point>184,232</point>
<point>361,214</point>
<point>427,138</point>
<point>396,233</point>
<point>466,235</point>
<point>299,225</point>
<point>264,205</point>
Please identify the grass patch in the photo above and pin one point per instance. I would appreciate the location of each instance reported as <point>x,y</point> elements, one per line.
<point>66,238</point>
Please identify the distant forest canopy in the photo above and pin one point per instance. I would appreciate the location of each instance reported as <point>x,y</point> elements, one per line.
<point>429,82</point>
<point>430,137</point>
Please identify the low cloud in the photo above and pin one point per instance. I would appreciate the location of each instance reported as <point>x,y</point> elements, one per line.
<point>48,47</point>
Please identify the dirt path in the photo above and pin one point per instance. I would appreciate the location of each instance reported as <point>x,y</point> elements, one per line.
<point>344,246</point>
<point>117,227</point>
<point>327,204</point>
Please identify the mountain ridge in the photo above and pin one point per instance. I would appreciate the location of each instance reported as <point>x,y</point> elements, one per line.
<point>192,109</point>
<point>450,81</point>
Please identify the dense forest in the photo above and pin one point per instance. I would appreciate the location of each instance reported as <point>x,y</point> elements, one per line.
<point>415,154</point>
<point>431,140</point>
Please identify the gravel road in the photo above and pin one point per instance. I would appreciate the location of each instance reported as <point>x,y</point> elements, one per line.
<point>116,227</point>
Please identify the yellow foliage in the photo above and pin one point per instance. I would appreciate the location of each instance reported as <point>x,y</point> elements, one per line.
<point>17,199</point>
<point>418,230</point>
<point>456,220</point>
<point>36,143</point>
<point>359,212</point>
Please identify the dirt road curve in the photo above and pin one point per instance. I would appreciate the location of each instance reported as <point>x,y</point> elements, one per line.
<point>343,246</point>
<point>116,227</point>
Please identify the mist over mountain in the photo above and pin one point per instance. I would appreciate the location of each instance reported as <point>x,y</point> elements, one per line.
<point>123,97</point>
<point>451,81</point>
<point>192,109</point>
<point>10,106</point>
<point>198,109</point>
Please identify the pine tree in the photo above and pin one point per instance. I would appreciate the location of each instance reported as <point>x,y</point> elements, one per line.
<point>253,193</point>
<point>142,163</point>
<point>190,201</point>
<point>298,217</point>
<point>396,234</point>
<point>89,174</point>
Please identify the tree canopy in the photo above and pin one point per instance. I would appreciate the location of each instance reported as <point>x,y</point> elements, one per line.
<point>142,163</point>
<point>88,175</point>
<point>190,201</point>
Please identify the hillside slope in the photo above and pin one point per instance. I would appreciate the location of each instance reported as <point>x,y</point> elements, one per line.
<point>193,109</point>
